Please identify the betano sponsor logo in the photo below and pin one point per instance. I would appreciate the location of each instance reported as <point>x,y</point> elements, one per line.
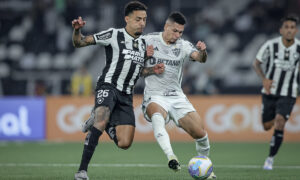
<point>165,61</point>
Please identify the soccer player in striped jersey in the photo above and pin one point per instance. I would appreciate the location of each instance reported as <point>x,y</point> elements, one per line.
<point>125,56</point>
<point>164,99</point>
<point>280,81</point>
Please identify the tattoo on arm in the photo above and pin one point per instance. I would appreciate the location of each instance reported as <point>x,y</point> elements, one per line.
<point>203,56</point>
<point>80,41</point>
<point>147,71</point>
<point>199,56</point>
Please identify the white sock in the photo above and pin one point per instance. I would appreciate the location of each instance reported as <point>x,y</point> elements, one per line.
<point>161,135</point>
<point>202,146</point>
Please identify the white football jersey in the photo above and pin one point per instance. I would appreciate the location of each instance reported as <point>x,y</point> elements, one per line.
<point>173,56</point>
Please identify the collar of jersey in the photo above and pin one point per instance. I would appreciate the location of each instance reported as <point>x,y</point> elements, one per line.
<point>127,34</point>
<point>282,45</point>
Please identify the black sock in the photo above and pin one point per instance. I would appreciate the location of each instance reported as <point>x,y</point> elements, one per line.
<point>90,144</point>
<point>275,142</point>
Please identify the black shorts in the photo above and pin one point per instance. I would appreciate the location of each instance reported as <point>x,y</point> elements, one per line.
<point>273,105</point>
<point>119,103</point>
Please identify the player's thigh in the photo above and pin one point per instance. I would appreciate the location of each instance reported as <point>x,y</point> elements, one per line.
<point>268,109</point>
<point>105,101</point>
<point>123,119</point>
<point>284,109</point>
<point>285,106</point>
<point>193,125</point>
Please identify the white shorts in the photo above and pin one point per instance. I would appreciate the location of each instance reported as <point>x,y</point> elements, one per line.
<point>176,106</point>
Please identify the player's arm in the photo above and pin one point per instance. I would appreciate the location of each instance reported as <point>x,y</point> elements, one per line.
<point>157,69</point>
<point>78,39</point>
<point>267,83</point>
<point>149,52</point>
<point>201,54</point>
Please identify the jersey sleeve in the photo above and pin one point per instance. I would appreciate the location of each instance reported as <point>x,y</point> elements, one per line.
<point>104,37</point>
<point>188,48</point>
<point>264,52</point>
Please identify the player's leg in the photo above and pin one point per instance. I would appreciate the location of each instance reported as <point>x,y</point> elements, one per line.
<point>158,114</point>
<point>102,114</point>
<point>125,135</point>
<point>268,119</point>
<point>283,109</point>
<point>88,124</point>
<point>122,123</point>
<point>104,103</point>
<point>193,125</point>
<point>268,111</point>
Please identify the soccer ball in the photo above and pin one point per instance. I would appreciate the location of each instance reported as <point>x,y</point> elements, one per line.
<point>200,167</point>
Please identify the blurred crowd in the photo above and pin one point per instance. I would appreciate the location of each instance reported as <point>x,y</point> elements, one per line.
<point>37,56</point>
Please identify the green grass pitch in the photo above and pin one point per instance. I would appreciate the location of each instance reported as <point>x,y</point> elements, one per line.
<point>143,161</point>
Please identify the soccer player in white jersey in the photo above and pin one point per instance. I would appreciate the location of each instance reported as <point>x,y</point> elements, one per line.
<point>125,54</point>
<point>164,99</point>
<point>280,81</point>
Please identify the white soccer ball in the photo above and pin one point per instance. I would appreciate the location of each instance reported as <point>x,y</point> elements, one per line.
<point>200,167</point>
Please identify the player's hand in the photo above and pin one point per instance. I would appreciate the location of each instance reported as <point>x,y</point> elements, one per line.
<point>159,68</point>
<point>201,46</point>
<point>267,83</point>
<point>150,51</point>
<point>78,23</point>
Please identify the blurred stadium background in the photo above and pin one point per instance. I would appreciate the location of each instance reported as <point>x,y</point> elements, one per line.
<point>37,56</point>
<point>38,63</point>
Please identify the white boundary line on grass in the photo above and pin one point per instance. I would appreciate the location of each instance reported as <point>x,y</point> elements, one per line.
<point>133,165</point>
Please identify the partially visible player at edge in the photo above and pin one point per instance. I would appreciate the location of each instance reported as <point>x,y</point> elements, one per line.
<point>125,55</point>
<point>280,81</point>
<point>164,99</point>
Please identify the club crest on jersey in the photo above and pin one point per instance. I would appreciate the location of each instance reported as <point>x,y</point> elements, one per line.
<point>176,51</point>
<point>136,44</point>
<point>100,100</point>
<point>104,36</point>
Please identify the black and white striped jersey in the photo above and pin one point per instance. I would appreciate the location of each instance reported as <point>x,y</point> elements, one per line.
<point>282,66</point>
<point>124,58</point>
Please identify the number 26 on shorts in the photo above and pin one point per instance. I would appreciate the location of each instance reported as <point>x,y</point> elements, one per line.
<point>102,93</point>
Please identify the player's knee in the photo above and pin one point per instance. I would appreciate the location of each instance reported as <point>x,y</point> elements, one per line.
<point>267,127</point>
<point>124,144</point>
<point>280,123</point>
<point>197,134</point>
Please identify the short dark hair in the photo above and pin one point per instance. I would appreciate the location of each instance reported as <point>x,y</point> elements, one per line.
<point>134,6</point>
<point>290,17</point>
<point>177,17</point>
